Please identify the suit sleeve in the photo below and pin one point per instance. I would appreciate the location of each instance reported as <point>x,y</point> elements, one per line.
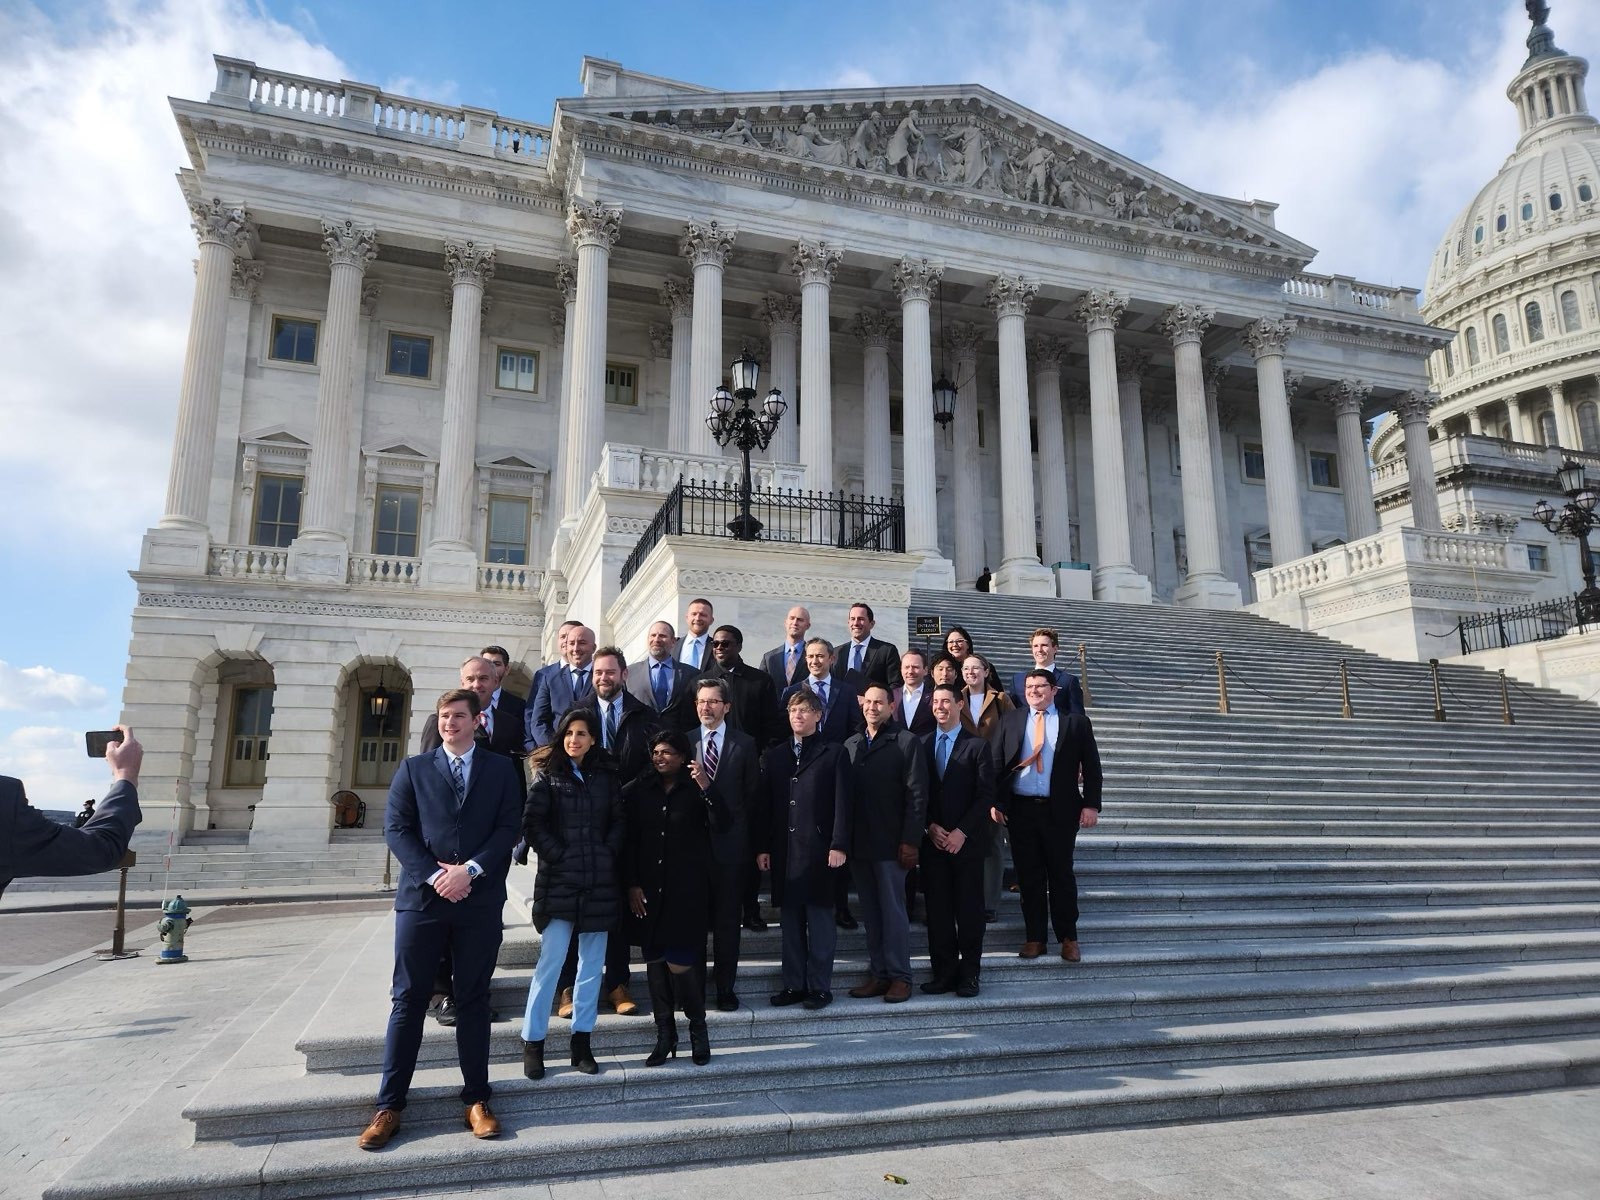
<point>617,830</point>
<point>842,804</point>
<point>1089,758</point>
<point>402,827</point>
<point>976,817</point>
<point>536,820</point>
<point>495,854</point>
<point>916,784</point>
<point>43,847</point>
<point>895,678</point>
<point>1074,691</point>
<point>430,734</point>
<point>539,719</point>
<point>761,810</point>
<point>1001,754</point>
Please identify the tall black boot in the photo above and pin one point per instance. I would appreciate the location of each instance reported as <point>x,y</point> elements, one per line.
<point>690,987</point>
<point>583,1056</point>
<point>659,979</point>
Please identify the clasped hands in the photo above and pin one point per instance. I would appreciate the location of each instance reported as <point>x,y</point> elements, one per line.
<point>455,883</point>
<point>948,840</point>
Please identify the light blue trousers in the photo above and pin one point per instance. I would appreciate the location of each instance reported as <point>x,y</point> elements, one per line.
<point>585,992</point>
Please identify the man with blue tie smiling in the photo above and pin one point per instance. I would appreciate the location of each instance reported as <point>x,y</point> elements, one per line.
<point>453,816</point>
<point>561,686</point>
<point>960,795</point>
<point>662,682</point>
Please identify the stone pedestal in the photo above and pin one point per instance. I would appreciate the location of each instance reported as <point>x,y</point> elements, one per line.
<point>1024,578</point>
<point>450,568</point>
<point>1073,583</point>
<point>175,551</point>
<point>319,560</point>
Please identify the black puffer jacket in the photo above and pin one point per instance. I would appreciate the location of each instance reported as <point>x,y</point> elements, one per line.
<point>577,828</point>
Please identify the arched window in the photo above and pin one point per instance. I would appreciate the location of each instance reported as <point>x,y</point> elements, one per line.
<point>1502,335</point>
<point>1477,235</point>
<point>1500,223</point>
<point>1589,425</point>
<point>1547,428</point>
<point>1527,210</point>
<point>1534,319</point>
<point>1585,193</point>
<point>1472,346</point>
<point>1569,311</point>
<point>1555,201</point>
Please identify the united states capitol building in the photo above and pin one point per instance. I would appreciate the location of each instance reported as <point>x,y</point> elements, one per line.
<point>445,365</point>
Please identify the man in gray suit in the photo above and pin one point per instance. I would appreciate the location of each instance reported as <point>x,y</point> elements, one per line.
<point>662,682</point>
<point>32,844</point>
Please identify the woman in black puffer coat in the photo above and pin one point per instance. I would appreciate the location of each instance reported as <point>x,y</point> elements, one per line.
<point>574,823</point>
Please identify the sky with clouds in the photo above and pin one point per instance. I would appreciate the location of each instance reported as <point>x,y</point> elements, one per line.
<point>1371,122</point>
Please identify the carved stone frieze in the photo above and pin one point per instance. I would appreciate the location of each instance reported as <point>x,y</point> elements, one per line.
<point>751,583</point>
<point>353,614</point>
<point>707,243</point>
<point>815,262</point>
<point>1187,323</point>
<point>1101,310</point>
<point>246,281</point>
<point>781,312</point>
<point>230,226</point>
<point>875,328</point>
<point>1267,336</point>
<point>349,244</point>
<point>1011,295</point>
<point>469,262</point>
<point>678,296</point>
<point>916,279</point>
<point>591,223</point>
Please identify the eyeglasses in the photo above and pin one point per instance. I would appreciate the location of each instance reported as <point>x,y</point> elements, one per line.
<point>723,644</point>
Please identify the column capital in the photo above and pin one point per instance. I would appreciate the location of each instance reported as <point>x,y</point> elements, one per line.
<point>964,339</point>
<point>567,281</point>
<point>447,297</point>
<point>916,279</point>
<point>1046,352</point>
<point>590,223</point>
<point>226,225</point>
<point>1132,363</point>
<point>678,296</point>
<point>371,290</point>
<point>246,281</point>
<point>815,262</point>
<point>781,312</point>
<point>1011,295</point>
<point>469,262</point>
<point>1348,397</point>
<point>707,243</point>
<point>1215,372</point>
<point>1229,416</point>
<point>1267,336</point>
<point>1187,323</point>
<point>875,328</point>
<point>1413,407</point>
<point>1101,310</point>
<point>349,244</point>
<point>1558,389</point>
<point>1291,383</point>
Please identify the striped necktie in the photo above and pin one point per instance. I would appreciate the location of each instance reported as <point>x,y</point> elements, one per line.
<point>458,776</point>
<point>711,755</point>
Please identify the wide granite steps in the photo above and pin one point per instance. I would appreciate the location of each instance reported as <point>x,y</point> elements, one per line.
<point>1217,870</point>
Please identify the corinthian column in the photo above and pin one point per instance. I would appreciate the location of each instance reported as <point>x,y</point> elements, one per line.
<point>816,263</point>
<point>914,282</point>
<point>561,321</point>
<point>1519,430</point>
<point>874,327</point>
<point>1412,409</point>
<point>1132,366</point>
<point>1020,573</point>
<point>782,315</point>
<point>1355,476</point>
<point>967,463</point>
<point>706,245</point>
<point>1215,373</point>
<point>1267,340</point>
<point>1055,488</point>
<point>1566,431</point>
<point>1206,585</point>
<point>594,229</point>
<point>1114,575</point>
<point>452,555</point>
<point>321,553</point>
<point>678,296</point>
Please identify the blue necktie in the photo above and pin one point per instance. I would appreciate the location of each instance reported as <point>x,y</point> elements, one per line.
<point>694,647</point>
<point>661,687</point>
<point>459,778</point>
<point>855,658</point>
<point>944,753</point>
<point>611,725</point>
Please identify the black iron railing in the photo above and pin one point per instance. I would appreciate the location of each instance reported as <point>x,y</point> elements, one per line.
<point>1514,626</point>
<point>787,518</point>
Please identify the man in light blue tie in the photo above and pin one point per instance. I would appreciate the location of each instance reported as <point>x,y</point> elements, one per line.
<point>787,663</point>
<point>841,710</point>
<point>865,658</point>
<point>696,647</point>
<point>662,682</point>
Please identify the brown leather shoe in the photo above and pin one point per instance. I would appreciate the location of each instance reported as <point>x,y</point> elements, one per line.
<point>385,1124</point>
<point>564,1004</point>
<point>899,992</point>
<point>621,1003</point>
<point>870,988</point>
<point>1031,950</point>
<point>1070,951</point>
<point>482,1122</point>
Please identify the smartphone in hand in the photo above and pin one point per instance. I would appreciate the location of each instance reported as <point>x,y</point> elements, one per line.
<point>96,740</point>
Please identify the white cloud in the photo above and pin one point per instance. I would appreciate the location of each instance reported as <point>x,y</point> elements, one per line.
<point>96,287</point>
<point>43,689</point>
<point>53,767</point>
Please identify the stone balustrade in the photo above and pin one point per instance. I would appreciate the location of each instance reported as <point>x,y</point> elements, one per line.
<point>1344,291</point>
<point>248,562</point>
<point>641,469</point>
<point>385,571</point>
<point>507,578</point>
<point>368,108</point>
<point>1484,452</point>
<point>1391,548</point>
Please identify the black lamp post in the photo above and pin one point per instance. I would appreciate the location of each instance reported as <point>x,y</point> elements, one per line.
<point>746,428</point>
<point>944,392</point>
<point>1576,517</point>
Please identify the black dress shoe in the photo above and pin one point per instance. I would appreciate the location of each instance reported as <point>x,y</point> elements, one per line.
<point>446,1015</point>
<point>754,923</point>
<point>816,1000</point>
<point>787,997</point>
<point>967,989</point>
<point>727,1002</point>
<point>938,987</point>
<point>845,919</point>
<point>990,916</point>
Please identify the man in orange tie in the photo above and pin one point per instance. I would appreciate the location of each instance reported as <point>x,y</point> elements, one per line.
<point>1041,753</point>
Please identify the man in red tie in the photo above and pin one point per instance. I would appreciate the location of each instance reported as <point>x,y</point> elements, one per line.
<point>1040,752</point>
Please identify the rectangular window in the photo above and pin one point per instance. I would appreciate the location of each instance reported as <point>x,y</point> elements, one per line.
<point>508,530</point>
<point>1538,557</point>
<point>519,371</point>
<point>1254,461</point>
<point>620,385</point>
<point>293,340</point>
<point>1324,469</point>
<point>277,510</point>
<point>248,734</point>
<point>395,530</point>
<point>410,356</point>
<point>377,745</point>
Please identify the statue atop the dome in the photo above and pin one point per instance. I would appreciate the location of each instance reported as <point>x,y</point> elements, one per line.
<point>1541,40</point>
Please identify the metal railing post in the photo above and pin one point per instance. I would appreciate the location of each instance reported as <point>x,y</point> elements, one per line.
<point>1438,696</point>
<point>1083,672</point>
<point>1506,717</point>
<point>1345,710</point>
<point>1222,685</point>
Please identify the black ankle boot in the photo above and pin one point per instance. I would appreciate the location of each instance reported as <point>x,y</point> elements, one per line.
<point>659,979</point>
<point>533,1059</point>
<point>582,1056</point>
<point>690,987</point>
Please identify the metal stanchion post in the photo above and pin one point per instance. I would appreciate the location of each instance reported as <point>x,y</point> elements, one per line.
<point>1083,671</point>
<point>1438,696</point>
<point>1345,710</point>
<point>1222,685</point>
<point>120,933</point>
<point>1506,718</point>
<point>388,870</point>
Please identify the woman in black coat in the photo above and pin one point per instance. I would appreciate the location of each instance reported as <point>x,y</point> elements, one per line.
<point>574,823</point>
<point>667,865</point>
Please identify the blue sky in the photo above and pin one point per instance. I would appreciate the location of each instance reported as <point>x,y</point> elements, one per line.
<point>1372,122</point>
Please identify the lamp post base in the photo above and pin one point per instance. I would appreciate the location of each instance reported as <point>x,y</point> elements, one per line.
<point>745,528</point>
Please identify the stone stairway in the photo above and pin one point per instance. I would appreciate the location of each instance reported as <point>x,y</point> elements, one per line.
<point>1283,910</point>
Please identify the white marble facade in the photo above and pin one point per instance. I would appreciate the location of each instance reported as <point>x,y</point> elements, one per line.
<point>451,335</point>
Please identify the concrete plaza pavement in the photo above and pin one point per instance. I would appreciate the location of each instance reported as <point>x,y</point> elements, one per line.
<point>84,1042</point>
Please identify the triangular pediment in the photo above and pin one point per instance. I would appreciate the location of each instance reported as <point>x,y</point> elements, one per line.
<point>967,144</point>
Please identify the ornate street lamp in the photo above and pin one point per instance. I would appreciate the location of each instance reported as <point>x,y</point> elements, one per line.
<point>746,428</point>
<point>944,392</point>
<point>1577,518</point>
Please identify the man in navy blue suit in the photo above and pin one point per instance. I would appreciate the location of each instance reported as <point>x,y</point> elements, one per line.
<point>841,711</point>
<point>453,816</point>
<point>561,686</point>
<point>1043,645</point>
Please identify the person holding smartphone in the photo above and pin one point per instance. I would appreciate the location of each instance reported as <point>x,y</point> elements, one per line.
<point>32,844</point>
